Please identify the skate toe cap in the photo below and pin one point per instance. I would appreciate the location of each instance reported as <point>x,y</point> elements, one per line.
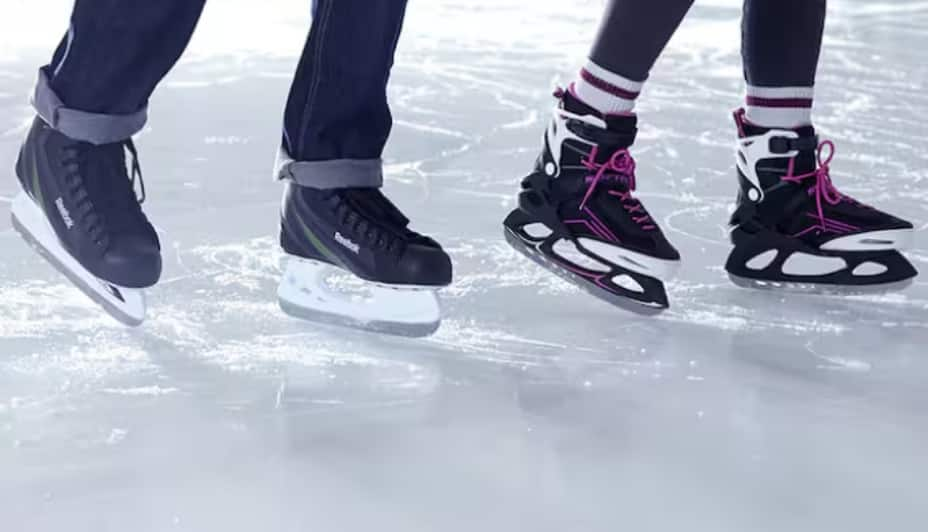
<point>426,265</point>
<point>663,249</point>
<point>669,253</point>
<point>132,263</point>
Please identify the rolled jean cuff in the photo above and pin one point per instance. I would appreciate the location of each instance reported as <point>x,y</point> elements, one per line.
<point>334,173</point>
<point>95,128</point>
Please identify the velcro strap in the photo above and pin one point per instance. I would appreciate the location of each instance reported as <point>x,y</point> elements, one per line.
<point>602,137</point>
<point>786,144</point>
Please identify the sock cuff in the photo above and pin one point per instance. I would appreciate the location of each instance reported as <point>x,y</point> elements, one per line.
<point>610,82</point>
<point>607,92</point>
<point>780,97</point>
<point>779,107</point>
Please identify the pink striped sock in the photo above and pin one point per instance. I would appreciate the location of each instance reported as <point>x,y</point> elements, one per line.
<point>605,91</point>
<point>779,107</point>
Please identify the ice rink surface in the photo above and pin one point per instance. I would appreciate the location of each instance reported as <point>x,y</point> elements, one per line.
<point>535,407</point>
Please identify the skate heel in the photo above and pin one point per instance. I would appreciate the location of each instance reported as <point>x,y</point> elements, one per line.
<point>518,220</point>
<point>20,167</point>
<point>297,247</point>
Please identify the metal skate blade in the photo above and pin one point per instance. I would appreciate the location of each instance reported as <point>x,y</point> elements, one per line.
<point>820,289</point>
<point>306,293</point>
<point>124,304</point>
<point>635,306</point>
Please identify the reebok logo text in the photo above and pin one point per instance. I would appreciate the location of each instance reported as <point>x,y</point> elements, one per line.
<point>347,243</point>
<point>65,215</point>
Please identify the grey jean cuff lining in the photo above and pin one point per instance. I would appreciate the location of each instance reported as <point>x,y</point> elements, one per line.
<point>95,128</point>
<point>335,173</point>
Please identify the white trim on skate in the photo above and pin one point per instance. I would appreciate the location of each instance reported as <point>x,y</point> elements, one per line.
<point>808,265</point>
<point>660,269</point>
<point>568,251</point>
<point>896,239</point>
<point>558,132</point>
<point>125,304</point>
<point>306,293</point>
<point>762,260</point>
<point>869,268</point>
<point>751,150</point>
<point>537,230</point>
<point>804,264</point>
<point>627,282</point>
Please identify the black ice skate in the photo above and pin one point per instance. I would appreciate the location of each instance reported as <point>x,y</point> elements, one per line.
<point>78,208</point>
<point>578,217</point>
<point>793,229</point>
<point>359,231</point>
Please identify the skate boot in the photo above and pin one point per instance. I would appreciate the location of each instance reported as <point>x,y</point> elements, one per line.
<point>396,272</point>
<point>78,208</point>
<point>578,217</point>
<point>793,229</point>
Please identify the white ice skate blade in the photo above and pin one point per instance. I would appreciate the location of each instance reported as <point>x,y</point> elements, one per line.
<point>124,304</point>
<point>306,292</point>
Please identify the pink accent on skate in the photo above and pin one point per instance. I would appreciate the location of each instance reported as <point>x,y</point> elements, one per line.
<point>601,225</point>
<point>572,89</point>
<point>739,121</point>
<point>634,206</point>
<point>621,165</point>
<point>605,234</point>
<point>597,278</point>
<point>823,189</point>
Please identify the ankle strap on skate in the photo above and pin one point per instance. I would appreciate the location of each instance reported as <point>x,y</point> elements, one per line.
<point>784,145</point>
<point>607,140</point>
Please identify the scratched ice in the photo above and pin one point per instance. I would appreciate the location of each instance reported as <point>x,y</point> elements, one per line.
<point>535,407</point>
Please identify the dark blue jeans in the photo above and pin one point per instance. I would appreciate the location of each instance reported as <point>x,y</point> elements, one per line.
<point>337,119</point>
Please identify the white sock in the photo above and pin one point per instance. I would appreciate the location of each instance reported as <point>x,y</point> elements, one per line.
<point>605,91</point>
<point>779,107</point>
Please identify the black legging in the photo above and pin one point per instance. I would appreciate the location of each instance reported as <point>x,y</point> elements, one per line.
<point>780,45</point>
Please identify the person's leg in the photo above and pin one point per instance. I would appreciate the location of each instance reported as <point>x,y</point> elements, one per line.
<point>78,204</point>
<point>334,215</point>
<point>781,42</point>
<point>97,86</point>
<point>632,36</point>
<point>337,118</point>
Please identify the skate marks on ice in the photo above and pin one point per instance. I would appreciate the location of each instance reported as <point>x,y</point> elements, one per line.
<point>448,149</point>
<point>532,399</point>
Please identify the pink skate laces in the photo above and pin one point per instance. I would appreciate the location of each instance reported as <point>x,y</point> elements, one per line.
<point>620,166</point>
<point>823,188</point>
